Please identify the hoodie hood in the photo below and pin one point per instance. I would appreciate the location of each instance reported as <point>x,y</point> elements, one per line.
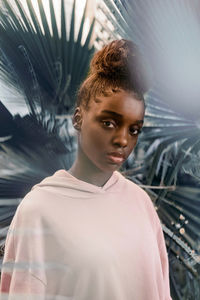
<point>66,184</point>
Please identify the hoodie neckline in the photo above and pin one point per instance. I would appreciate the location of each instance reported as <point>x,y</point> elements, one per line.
<point>113,178</point>
<point>63,183</point>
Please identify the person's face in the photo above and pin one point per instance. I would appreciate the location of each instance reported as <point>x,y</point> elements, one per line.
<point>111,125</point>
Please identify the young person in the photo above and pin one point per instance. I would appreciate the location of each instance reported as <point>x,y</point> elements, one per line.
<point>88,233</point>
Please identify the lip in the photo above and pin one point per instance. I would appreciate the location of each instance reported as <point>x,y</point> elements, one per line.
<point>117,154</point>
<point>115,157</point>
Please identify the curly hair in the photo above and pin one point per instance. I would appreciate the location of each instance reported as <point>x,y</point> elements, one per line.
<point>117,66</point>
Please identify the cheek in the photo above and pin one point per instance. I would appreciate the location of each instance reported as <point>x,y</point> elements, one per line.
<point>93,139</point>
<point>132,144</point>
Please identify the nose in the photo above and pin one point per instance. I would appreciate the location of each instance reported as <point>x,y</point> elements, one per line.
<point>121,138</point>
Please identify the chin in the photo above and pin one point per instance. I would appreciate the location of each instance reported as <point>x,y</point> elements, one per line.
<point>110,167</point>
<point>105,166</point>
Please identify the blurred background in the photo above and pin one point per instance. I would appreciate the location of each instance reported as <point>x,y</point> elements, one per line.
<point>45,50</point>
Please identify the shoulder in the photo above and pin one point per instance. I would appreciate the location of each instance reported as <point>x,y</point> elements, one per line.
<point>30,209</point>
<point>143,199</point>
<point>134,189</point>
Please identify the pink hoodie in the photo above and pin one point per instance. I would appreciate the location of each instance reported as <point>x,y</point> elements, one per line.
<point>70,239</point>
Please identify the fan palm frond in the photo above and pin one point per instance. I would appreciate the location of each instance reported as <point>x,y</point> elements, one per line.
<point>30,151</point>
<point>47,67</point>
<point>172,139</point>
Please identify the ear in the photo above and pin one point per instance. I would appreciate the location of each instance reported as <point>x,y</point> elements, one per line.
<point>77,118</point>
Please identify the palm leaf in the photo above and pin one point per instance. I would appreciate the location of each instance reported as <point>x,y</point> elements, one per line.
<point>24,161</point>
<point>47,59</point>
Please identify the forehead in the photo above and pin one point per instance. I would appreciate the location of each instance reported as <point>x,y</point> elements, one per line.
<point>123,103</point>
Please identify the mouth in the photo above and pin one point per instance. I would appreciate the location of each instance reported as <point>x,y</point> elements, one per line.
<point>115,159</point>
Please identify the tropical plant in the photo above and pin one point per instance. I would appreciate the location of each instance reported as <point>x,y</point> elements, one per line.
<point>29,151</point>
<point>166,160</point>
<point>47,66</point>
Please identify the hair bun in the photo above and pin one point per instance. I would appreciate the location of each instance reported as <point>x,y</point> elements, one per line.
<point>115,59</point>
<point>118,65</point>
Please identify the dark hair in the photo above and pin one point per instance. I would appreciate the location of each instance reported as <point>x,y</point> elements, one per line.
<point>117,66</point>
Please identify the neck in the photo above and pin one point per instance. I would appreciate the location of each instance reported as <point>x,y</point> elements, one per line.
<point>83,169</point>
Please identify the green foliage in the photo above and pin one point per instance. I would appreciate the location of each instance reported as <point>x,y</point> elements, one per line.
<point>46,67</point>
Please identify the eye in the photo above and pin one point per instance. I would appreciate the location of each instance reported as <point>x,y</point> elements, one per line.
<point>108,124</point>
<point>135,131</point>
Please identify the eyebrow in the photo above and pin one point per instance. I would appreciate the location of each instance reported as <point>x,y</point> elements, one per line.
<point>119,115</point>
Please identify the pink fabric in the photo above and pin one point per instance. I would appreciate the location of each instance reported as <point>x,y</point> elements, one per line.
<point>73,240</point>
